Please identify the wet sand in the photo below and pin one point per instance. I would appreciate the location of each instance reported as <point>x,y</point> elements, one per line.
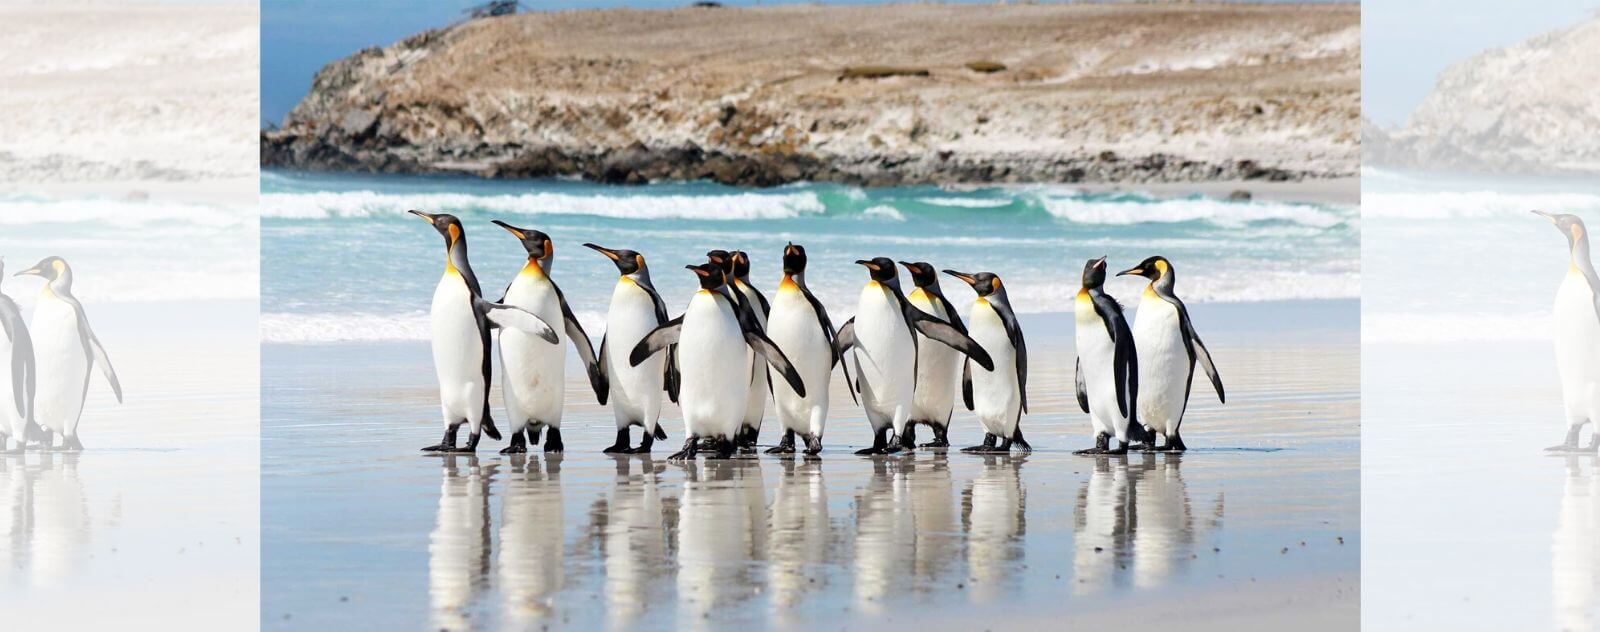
<point>360,529</point>
<point>158,518</point>
<point>1469,523</point>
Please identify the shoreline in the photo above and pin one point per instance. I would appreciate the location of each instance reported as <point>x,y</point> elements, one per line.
<point>766,96</point>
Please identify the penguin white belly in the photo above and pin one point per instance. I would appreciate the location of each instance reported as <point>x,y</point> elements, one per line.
<point>534,371</point>
<point>1097,353</point>
<point>885,359</point>
<point>1578,349</point>
<point>457,352</point>
<point>756,399</point>
<point>996,398</point>
<point>794,327</point>
<point>635,390</point>
<point>12,423</point>
<point>934,396</point>
<point>1164,366</point>
<point>714,366</point>
<point>63,365</point>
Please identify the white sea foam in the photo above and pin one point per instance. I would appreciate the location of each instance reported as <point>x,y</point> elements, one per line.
<point>966,202</point>
<point>885,212</point>
<point>1472,204</point>
<point>359,204</point>
<point>1090,210</point>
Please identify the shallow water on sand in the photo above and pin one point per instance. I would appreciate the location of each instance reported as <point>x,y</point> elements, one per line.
<point>360,529</point>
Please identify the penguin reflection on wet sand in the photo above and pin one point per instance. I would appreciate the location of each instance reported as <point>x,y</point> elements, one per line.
<point>884,336</point>
<point>461,320</point>
<point>799,325</point>
<point>1575,554</point>
<point>65,350</point>
<point>1103,526</point>
<point>631,529</point>
<point>18,376</point>
<point>717,546</point>
<point>994,517</point>
<point>800,532</point>
<point>934,398</point>
<point>1169,348</point>
<point>532,372</point>
<point>458,547</point>
<point>1108,365</point>
<point>529,565</point>
<point>635,391</point>
<point>1577,316</point>
<point>752,305</point>
<point>713,337</point>
<point>999,397</point>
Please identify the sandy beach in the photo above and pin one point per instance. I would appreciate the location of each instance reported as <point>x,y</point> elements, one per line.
<point>1263,510</point>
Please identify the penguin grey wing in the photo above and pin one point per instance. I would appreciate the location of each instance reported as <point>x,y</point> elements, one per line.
<point>513,317</point>
<point>21,355</point>
<point>660,338</point>
<point>1083,389</point>
<point>1124,357</point>
<point>846,337</point>
<point>966,382</point>
<point>1199,353</point>
<point>943,332</point>
<point>775,357</point>
<point>580,341</point>
<point>104,361</point>
<point>604,377</point>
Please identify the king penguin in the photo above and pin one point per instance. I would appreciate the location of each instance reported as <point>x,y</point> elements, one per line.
<point>736,267</point>
<point>17,376</point>
<point>1168,349</point>
<point>534,374</point>
<point>998,396</point>
<point>799,325</point>
<point>65,350</point>
<point>934,398</point>
<point>461,320</point>
<point>1577,316</point>
<point>635,392</point>
<point>713,337</point>
<point>883,333</point>
<point>1108,365</point>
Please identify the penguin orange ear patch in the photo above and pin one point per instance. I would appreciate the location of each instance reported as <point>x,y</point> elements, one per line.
<point>1577,231</point>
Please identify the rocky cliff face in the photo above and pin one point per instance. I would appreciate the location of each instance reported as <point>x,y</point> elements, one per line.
<point>1531,107</point>
<point>871,95</point>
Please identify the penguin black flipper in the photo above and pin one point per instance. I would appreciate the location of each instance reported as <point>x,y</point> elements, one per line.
<point>1125,359</point>
<point>671,378</point>
<point>1199,353</point>
<point>846,337</point>
<point>670,370</point>
<point>955,317</point>
<point>91,345</point>
<point>947,334</point>
<point>1014,332</point>
<point>831,336</point>
<point>766,308</point>
<point>580,341</point>
<point>966,382</point>
<point>604,376</point>
<point>774,356</point>
<point>660,338</point>
<point>22,377</point>
<point>513,317</point>
<point>1083,389</point>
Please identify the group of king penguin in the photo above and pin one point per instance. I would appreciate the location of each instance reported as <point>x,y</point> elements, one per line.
<point>45,365</point>
<point>732,347</point>
<point>1577,334</point>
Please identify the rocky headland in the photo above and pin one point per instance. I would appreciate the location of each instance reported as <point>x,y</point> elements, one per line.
<point>882,95</point>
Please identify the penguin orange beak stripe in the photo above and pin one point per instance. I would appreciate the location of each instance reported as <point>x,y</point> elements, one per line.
<point>602,250</point>
<point>425,217</point>
<point>870,265</point>
<point>963,276</point>
<point>510,229</point>
<point>1138,271</point>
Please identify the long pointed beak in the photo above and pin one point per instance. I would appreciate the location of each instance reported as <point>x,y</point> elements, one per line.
<point>910,267</point>
<point>610,254</point>
<point>33,271</point>
<point>510,229</point>
<point>425,216</point>
<point>1545,215</point>
<point>1132,271</point>
<point>963,276</point>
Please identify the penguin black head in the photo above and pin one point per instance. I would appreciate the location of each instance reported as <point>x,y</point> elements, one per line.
<point>711,275</point>
<point>445,223</point>
<point>628,262</point>
<point>882,269</point>
<point>741,264</point>
<point>50,269</point>
<point>1094,273</point>
<point>1155,268</point>
<point>984,283</point>
<point>794,259</point>
<point>1569,225</point>
<point>922,273</point>
<point>536,242</point>
<point>723,259</point>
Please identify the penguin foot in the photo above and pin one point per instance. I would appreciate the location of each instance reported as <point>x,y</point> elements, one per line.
<point>433,448</point>
<point>689,446</point>
<point>977,448</point>
<point>514,449</point>
<point>1091,451</point>
<point>552,441</point>
<point>869,451</point>
<point>935,444</point>
<point>621,445</point>
<point>681,455</point>
<point>779,449</point>
<point>1144,446</point>
<point>813,445</point>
